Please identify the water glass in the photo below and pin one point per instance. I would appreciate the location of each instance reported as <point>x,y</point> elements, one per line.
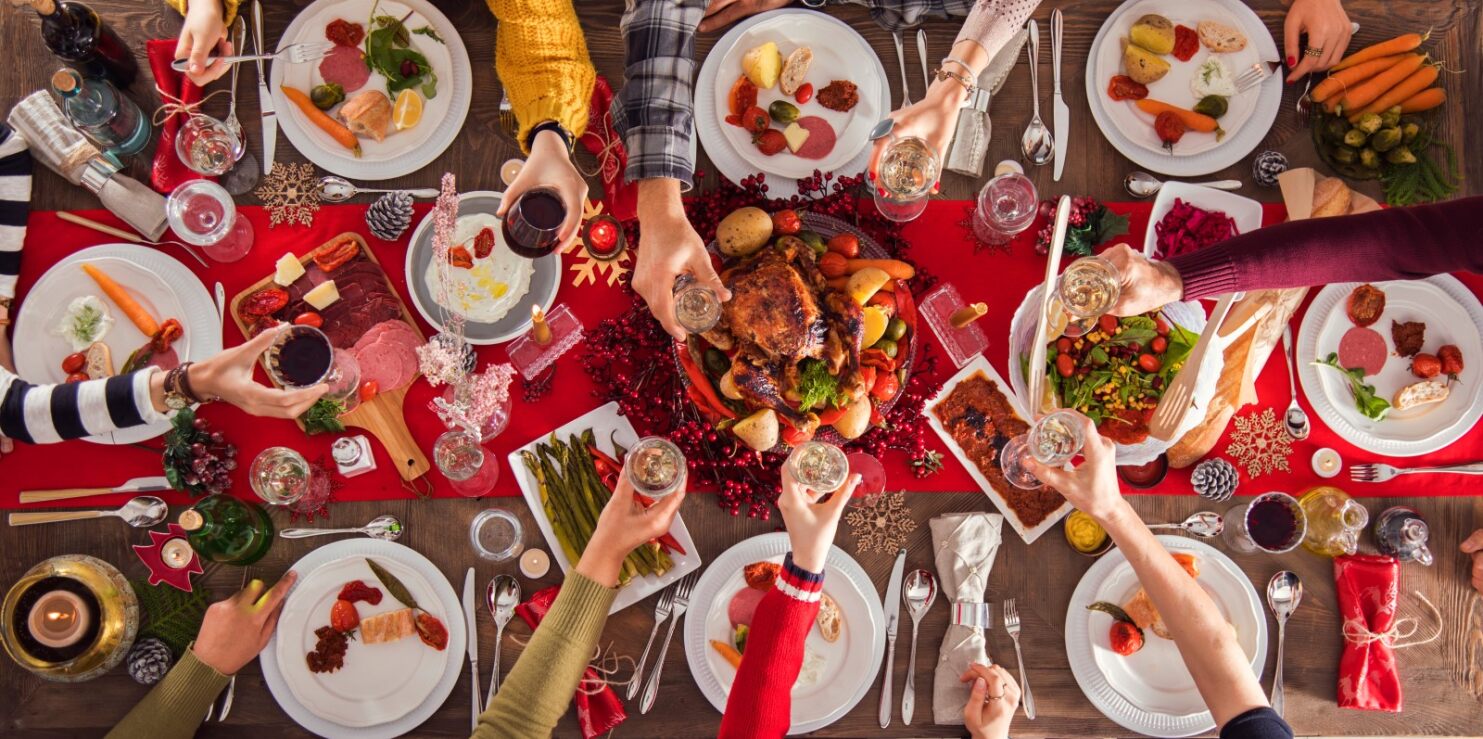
<point>697,306</point>
<point>1088,288</point>
<point>471,471</point>
<point>1053,440</point>
<point>819,466</point>
<point>206,145</point>
<point>202,213</point>
<point>908,171</point>
<point>281,476</point>
<point>1006,206</point>
<point>497,535</point>
<point>655,467</point>
<point>1271,522</point>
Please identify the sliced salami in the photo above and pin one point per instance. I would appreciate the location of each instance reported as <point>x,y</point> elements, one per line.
<point>820,139</point>
<point>346,67</point>
<point>1363,348</point>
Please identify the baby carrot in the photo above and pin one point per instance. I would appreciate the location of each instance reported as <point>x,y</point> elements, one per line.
<point>1338,82</point>
<point>1366,92</point>
<point>1420,80</point>
<point>728,653</point>
<point>125,302</point>
<point>1196,121</point>
<point>338,132</point>
<point>896,268</point>
<point>1398,45</point>
<point>1424,100</point>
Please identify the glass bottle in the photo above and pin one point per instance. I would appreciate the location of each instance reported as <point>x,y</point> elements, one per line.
<point>103,113</point>
<point>75,34</point>
<point>1401,533</point>
<point>227,530</point>
<point>1334,521</point>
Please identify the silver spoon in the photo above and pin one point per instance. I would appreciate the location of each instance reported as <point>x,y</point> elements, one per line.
<point>1145,185</point>
<point>1296,419</point>
<point>336,189</point>
<point>502,597</point>
<point>1037,143</point>
<point>1284,593</point>
<point>918,592</point>
<point>882,129</point>
<point>385,528</point>
<point>141,513</point>
<point>1205,524</point>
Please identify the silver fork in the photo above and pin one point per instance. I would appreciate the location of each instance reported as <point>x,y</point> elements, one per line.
<point>1382,472</point>
<point>681,603</point>
<point>1012,625</point>
<point>507,122</point>
<point>661,613</point>
<point>1255,75</point>
<point>302,53</point>
<point>231,691</point>
<point>239,31</point>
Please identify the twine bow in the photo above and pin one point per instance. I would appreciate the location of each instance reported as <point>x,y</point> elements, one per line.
<point>1358,634</point>
<point>171,105</point>
<point>607,160</point>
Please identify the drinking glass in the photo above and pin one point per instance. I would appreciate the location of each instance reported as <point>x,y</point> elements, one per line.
<point>697,306</point>
<point>1271,522</point>
<point>281,476</point>
<point>207,146</point>
<point>202,213</point>
<point>1088,288</point>
<point>302,356</point>
<point>908,170</point>
<point>471,472</point>
<point>532,224</point>
<point>655,467</point>
<point>497,535</point>
<point>1053,440</point>
<point>496,423</point>
<point>872,477</point>
<point>1006,206</point>
<point>819,466</point>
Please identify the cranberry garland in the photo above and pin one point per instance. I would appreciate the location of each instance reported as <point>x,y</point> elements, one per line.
<point>631,359</point>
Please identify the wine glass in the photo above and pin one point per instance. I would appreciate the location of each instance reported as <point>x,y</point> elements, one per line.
<point>302,356</point>
<point>1272,522</point>
<point>202,213</point>
<point>655,467</point>
<point>909,169</point>
<point>281,476</point>
<point>1088,288</point>
<point>697,306</point>
<point>819,466</point>
<point>532,224</point>
<point>471,471</point>
<point>1007,205</point>
<point>206,145</point>
<point>1053,440</point>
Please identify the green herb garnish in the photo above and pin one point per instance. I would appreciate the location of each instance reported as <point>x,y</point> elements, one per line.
<point>388,52</point>
<point>815,385</point>
<point>1369,404</point>
<point>323,417</point>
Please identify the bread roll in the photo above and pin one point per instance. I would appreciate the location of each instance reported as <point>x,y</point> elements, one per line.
<point>1331,197</point>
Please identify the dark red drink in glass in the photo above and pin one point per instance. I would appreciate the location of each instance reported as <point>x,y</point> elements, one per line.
<point>532,224</point>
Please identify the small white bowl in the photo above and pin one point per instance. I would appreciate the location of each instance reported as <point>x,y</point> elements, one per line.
<point>1246,212</point>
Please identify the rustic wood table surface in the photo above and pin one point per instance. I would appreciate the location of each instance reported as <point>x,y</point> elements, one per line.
<point>1443,680</point>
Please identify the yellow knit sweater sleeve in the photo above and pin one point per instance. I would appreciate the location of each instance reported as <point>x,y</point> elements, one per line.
<point>541,57</point>
<point>228,8</point>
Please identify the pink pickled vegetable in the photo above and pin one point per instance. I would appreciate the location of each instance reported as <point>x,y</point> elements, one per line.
<point>1187,228</point>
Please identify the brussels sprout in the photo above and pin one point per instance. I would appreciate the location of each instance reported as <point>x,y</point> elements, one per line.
<point>1334,129</point>
<point>1391,117</point>
<point>1400,155</point>
<point>716,361</point>
<point>1385,139</point>
<point>1369,123</point>
<point>1345,155</point>
<point>1409,131</point>
<point>327,96</point>
<point>1356,138</point>
<point>814,241</point>
<point>783,111</point>
<point>1212,105</point>
<point>1369,158</point>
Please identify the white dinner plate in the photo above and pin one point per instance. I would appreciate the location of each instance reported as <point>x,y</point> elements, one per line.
<point>1452,315</point>
<point>1247,213</point>
<point>402,152</point>
<point>543,284</point>
<point>1151,692</point>
<point>1130,130</point>
<point>607,425</point>
<point>840,53</point>
<point>161,285</point>
<point>849,666</point>
<point>384,690</point>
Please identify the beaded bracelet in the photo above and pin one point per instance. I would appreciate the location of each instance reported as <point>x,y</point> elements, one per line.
<point>968,86</point>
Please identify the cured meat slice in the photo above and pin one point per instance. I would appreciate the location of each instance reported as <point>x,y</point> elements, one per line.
<point>820,139</point>
<point>346,67</point>
<point>387,627</point>
<point>1363,348</point>
<point>743,606</point>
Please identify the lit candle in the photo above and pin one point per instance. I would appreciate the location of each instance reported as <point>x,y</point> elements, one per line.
<point>604,237</point>
<point>1327,463</point>
<point>540,331</point>
<point>535,563</point>
<point>58,619</point>
<point>510,170</point>
<point>176,553</point>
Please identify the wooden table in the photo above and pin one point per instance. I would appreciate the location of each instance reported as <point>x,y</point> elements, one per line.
<point>1443,680</point>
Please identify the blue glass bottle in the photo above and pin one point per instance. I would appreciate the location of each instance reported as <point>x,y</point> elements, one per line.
<point>101,112</point>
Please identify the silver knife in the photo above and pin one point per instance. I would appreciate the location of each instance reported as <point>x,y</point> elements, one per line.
<point>264,98</point>
<point>893,618</point>
<point>1036,381</point>
<point>136,485</point>
<point>473,626</point>
<point>1060,113</point>
<point>922,56</point>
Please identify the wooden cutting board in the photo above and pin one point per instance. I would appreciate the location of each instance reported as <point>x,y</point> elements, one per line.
<point>383,415</point>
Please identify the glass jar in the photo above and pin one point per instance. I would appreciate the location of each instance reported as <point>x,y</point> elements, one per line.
<point>1334,521</point>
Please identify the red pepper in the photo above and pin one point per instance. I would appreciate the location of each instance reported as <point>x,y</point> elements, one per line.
<point>665,539</point>
<point>828,416</point>
<point>867,374</point>
<point>876,417</point>
<point>701,384</point>
<point>906,308</point>
<point>878,359</point>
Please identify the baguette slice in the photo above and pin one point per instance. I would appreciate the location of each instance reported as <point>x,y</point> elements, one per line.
<point>100,361</point>
<point>829,618</point>
<point>795,69</point>
<point>1420,393</point>
<point>1220,38</point>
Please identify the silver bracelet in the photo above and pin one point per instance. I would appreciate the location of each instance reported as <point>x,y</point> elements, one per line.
<point>958,62</point>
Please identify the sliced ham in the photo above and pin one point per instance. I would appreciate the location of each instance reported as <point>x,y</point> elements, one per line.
<point>346,67</point>
<point>1363,348</point>
<point>743,606</point>
<point>820,139</point>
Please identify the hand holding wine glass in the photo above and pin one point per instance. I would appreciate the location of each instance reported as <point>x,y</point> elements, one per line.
<point>1091,487</point>
<point>811,524</point>
<point>228,376</point>
<point>549,171</point>
<point>1143,284</point>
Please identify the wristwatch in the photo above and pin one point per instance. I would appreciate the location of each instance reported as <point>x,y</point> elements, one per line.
<point>179,394</point>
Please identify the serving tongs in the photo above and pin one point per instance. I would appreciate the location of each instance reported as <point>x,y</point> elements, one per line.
<point>1036,401</point>
<point>1219,335</point>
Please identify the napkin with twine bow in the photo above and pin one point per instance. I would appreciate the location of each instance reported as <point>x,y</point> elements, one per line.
<point>964,546</point>
<point>598,709</point>
<point>1367,587</point>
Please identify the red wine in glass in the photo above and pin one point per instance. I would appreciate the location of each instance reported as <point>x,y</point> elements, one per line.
<point>302,357</point>
<point>872,476</point>
<point>1272,524</point>
<point>532,224</point>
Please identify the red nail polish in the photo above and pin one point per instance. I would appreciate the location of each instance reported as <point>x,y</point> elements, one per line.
<point>1292,61</point>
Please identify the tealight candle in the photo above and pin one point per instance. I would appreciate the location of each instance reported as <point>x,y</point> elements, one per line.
<point>177,553</point>
<point>1327,463</point>
<point>540,331</point>
<point>604,238</point>
<point>510,170</point>
<point>535,563</point>
<point>59,619</point>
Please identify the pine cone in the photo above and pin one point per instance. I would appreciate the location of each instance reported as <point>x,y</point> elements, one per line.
<point>149,660</point>
<point>1215,480</point>
<point>390,215</point>
<point>1266,166</point>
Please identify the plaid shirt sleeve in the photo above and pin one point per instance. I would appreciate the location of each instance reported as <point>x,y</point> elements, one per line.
<point>899,15</point>
<point>655,111</point>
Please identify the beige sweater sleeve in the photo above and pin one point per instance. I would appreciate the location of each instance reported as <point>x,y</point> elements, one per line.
<point>173,708</point>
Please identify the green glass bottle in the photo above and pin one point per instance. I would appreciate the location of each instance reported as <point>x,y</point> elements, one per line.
<point>224,529</point>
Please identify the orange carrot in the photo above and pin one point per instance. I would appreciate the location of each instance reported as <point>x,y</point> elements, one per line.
<point>1398,45</point>
<point>1338,82</point>
<point>1195,121</point>
<point>125,302</point>
<point>338,132</point>
<point>896,268</point>
<point>1424,100</point>
<point>728,653</point>
<point>1422,79</point>
<point>1368,91</point>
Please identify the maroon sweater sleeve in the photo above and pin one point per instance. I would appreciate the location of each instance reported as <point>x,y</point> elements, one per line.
<point>1390,244</point>
<point>761,699</point>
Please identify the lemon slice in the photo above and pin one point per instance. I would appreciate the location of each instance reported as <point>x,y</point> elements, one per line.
<point>408,110</point>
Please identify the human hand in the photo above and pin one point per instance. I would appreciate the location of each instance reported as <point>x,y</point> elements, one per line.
<point>236,629</point>
<point>1092,487</point>
<point>228,376</point>
<point>668,248</point>
<point>722,13</point>
<point>1143,284</point>
<point>933,119</point>
<point>204,31</point>
<point>1328,29</point>
<point>1474,547</point>
<point>624,525</point>
<point>811,524</point>
<point>991,702</point>
<point>550,166</point>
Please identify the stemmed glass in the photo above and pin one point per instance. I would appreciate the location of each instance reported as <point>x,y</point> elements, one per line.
<point>908,170</point>
<point>697,306</point>
<point>302,356</point>
<point>1088,288</point>
<point>1272,522</point>
<point>471,471</point>
<point>1006,206</point>
<point>1053,440</point>
<point>281,476</point>
<point>206,145</point>
<point>202,213</point>
<point>655,467</point>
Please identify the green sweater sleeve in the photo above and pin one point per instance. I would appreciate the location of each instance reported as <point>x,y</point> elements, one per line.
<point>544,679</point>
<point>175,707</point>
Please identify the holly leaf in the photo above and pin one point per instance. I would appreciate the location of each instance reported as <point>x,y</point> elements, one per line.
<point>1109,224</point>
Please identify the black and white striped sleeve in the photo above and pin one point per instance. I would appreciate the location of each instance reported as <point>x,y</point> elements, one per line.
<point>15,200</point>
<point>43,414</point>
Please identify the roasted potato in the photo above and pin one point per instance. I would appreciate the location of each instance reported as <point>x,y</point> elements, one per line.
<point>743,231</point>
<point>1144,66</point>
<point>1154,33</point>
<point>856,419</point>
<point>759,431</point>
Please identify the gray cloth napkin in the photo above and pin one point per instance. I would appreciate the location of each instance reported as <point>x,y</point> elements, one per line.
<point>964,546</point>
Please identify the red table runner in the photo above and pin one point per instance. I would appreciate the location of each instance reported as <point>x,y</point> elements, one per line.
<point>943,248</point>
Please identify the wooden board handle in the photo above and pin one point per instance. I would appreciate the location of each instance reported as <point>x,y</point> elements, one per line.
<point>45,496</point>
<point>383,417</point>
<point>25,519</point>
<point>99,227</point>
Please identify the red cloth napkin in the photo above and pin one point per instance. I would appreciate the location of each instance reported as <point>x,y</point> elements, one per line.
<point>168,171</point>
<point>597,713</point>
<point>1368,678</point>
<point>603,142</point>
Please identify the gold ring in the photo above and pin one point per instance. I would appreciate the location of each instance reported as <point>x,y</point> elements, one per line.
<point>1314,51</point>
<point>993,697</point>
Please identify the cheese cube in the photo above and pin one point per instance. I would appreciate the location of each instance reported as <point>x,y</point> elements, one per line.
<point>323,296</point>
<point>795,135</point>
<point>288,269</point>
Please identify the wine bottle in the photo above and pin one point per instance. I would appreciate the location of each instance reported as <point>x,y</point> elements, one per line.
<point>103,113</point>
<point>76,35</point>
<point>227,530</point>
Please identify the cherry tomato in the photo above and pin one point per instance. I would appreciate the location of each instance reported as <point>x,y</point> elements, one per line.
<point>1170,129</point>
<point>886,386</point>
<point>1149,363</point>
<point>1126,638</point>
<point>1107,323</point>
<point>845,244</point>
<point>832,264</point>
<point>1065,365</point>
<point>1123,87</point>
<point>74,363</point>
<point>1451,358</point>
<point>770,141</point>
<point>309,318</point>
<point>431,631</point>
<point>368,390</point>
<point>1063,345</point>
<point>1160,325</point>
<point>1158,345</point>
<point>786,222</point>
<point>804,93</point>
<point>755,119</point>
<point>343,616</point>
<point>78,377</point>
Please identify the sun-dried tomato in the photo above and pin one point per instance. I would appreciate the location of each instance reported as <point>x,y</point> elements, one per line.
<point>169,332</point>
<point>264,302</point>
<point>484,243</point>
<point>330,256</point>
<point>1186,43</point>
<point>460,257</point>
<point>431,631</point>
<point>344,32</point>
<point>355,590</point>
<point>1123,87</point>
<point>743,95</point>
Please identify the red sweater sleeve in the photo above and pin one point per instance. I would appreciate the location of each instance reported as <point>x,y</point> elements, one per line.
<point>761,699</point>
<point>1390,244</point>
